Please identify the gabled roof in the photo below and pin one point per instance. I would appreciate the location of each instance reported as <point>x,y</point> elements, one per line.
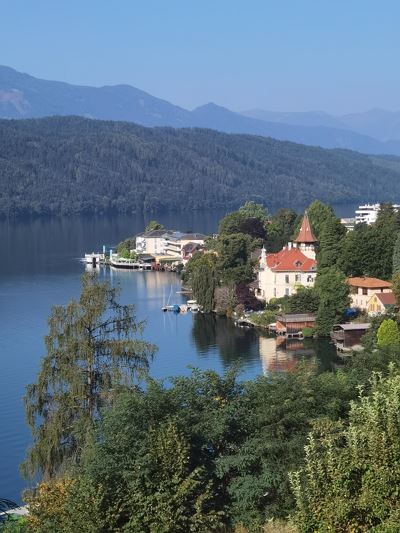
<point>368,283</point>
<point>386,298</point>
<point>306,234</point>
<point>292,260</point>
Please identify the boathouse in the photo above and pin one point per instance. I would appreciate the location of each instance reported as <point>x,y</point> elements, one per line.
<point>292,324</point>
<point>348,336</point>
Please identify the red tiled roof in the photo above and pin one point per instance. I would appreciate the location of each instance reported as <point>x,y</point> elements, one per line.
<point>386,298</point>
<point>368,283</point>
<point>306,234</point>
<point>291,261</point>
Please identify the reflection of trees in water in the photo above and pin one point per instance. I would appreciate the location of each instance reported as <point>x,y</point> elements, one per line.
<point>233,343</point>
<point>236,344</point>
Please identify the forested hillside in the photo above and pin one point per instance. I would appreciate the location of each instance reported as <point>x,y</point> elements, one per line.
<point>68,165</point>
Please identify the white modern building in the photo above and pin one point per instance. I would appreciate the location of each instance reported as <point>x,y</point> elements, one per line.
<point>166,242</point>
<point>368,213</point>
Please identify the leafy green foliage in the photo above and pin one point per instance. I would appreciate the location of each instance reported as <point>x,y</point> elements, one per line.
<point>153,225</point>
<point>69,165</point>
<point>203,280</point>
<point>93,347</point>
<point>388,333</point>
<point>304,300</point>
<point>280,229</point>
<point>351,477</point>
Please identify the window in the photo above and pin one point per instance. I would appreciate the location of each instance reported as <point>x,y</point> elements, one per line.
<point>365,292</point>
<point>286,292</point>
<point>287,278</point>
<point>309,278</point>
<point>274,293</point>
<point>297,278</point>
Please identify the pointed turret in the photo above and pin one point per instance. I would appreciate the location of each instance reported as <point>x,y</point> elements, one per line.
<point>306,235</point>
<point>306,239</point>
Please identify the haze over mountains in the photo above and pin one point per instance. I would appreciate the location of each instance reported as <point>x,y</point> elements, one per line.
<point>24,96</point>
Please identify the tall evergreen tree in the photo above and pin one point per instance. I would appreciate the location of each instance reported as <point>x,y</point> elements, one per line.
<point>330,242</point>
<point>93,346</point>
<point>333,294</point>
<point>396,255</point>
<point>383,238</point>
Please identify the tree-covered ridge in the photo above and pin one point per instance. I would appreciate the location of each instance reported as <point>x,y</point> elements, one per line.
<point>70,165</point>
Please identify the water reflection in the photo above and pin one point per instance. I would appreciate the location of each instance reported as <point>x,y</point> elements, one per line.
<point>251,347</point>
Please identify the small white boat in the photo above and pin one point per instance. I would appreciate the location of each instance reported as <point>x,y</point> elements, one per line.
<point>193,306</point>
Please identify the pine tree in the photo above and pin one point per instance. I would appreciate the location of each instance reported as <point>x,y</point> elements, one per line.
<point>330,242</point>
<point>93,347</point>
<point>396,255</point>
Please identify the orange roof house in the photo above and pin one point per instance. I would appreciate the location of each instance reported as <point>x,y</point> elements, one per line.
<point>362,288</point>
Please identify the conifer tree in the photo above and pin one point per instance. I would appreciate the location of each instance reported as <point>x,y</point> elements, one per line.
<point>396,255</point>
<point>93,347</point>
<point>333,295</point>
<point>330,242</point>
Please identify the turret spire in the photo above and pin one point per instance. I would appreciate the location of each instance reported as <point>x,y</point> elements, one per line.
<point>306,235</point>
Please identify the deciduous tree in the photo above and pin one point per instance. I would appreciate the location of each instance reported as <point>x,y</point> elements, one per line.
<point>93,347</point>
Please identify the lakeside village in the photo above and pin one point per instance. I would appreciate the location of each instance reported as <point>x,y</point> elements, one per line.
<point>295,276</point>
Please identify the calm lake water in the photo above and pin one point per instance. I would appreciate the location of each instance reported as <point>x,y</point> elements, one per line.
<point>40,267</point>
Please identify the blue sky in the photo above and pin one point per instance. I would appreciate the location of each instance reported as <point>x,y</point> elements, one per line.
<point>334,55</point>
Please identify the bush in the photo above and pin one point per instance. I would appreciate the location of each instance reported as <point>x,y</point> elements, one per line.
<point>308,333</point>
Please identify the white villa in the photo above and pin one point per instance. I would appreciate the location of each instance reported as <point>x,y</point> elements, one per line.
<point>281,273</point>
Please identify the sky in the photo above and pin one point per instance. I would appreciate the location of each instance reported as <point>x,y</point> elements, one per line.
<point>338,56</point>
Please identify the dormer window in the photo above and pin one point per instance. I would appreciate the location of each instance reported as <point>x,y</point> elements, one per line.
<point>298,264</point>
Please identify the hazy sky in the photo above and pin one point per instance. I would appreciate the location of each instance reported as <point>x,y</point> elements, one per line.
<point>333,55</point>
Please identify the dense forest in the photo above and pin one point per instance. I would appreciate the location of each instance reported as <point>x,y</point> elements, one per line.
<point>70,165</point>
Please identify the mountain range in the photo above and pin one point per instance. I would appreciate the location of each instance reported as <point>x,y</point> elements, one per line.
<point>24,96</point>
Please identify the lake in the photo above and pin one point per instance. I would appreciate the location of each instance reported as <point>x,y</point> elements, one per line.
<point>40,267</point>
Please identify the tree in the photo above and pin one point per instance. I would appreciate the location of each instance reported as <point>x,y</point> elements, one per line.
<point>280,229</point>
<point>383,238</point>
<point>153,225</point>
<point>388,334</point>
<point>330,242</point>
<point>318,214</point>
<point>254,210</point>
<point>167,494</point>
<point>203,280</point>
<point>396,255</point>
<point>304,300</point>
<point>396,287</point>
<point>225,299</point>
<point>234,258</point>
<point>351,477</point>
<point>93,347</point>
<point>357,251</point>
<point>333,293</point>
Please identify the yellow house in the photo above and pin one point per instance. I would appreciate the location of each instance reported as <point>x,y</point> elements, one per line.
<point>380,302</point>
